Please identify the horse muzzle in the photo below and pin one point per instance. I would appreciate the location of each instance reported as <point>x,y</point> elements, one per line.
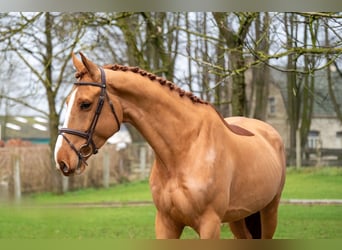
<point>68,171</point>
<point>83,153</point>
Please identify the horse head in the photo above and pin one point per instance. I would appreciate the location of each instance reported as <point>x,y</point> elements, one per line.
<point>93,115</point>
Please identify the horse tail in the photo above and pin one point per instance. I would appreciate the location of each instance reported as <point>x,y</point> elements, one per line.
<point>253,223</point>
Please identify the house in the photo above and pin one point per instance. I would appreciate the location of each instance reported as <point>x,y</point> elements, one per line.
<point>33,129</point>
<point>324,142</point>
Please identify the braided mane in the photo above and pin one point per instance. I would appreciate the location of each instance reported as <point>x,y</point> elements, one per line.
<point>234,128</point>
<point>153,77</point>
<point>173,87</point>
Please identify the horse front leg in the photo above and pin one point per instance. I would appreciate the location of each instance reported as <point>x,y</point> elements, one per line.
<point>210,227</point>
<point>166,228</point>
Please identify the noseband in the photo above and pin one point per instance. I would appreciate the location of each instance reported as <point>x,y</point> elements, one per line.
<point>89,147</point>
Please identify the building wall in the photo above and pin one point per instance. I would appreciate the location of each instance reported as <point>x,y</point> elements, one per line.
<point>330,130</point>
<point>276,113</point>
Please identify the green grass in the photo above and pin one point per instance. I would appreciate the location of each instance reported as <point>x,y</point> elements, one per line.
<point>32,219</point>
<point>295,222</point>
<point>80,223</point>
<point>77,223</point>
<point>309,222</point>
<point>134,191</point>
<point>313,183</point>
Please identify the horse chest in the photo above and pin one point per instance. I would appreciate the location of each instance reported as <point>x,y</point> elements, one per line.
<point>182,200</point>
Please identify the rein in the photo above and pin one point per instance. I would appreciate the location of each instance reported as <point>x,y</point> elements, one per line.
<point>89,147</point>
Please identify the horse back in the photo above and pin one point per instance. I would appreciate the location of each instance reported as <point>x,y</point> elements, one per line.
<point>262,130</point>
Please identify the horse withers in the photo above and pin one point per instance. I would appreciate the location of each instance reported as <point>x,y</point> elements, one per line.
<point>207,170</point>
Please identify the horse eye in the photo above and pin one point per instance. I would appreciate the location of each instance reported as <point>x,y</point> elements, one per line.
<point>85,105</point>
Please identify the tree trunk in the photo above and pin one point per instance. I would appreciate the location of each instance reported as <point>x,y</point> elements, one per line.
<point>261,72</point>
<point>222,99</point>
<point>235,43</point>
<point>239,87</point>
<point>308,90</point>
<point>128,26</point>
<point>293,90</point>
<point>53,116</point>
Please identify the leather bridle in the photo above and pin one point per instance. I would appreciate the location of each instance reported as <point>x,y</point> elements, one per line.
<point>89,147</point>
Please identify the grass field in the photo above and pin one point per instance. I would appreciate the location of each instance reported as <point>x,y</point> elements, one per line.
<point>313,183</point>
<point>34,219</point>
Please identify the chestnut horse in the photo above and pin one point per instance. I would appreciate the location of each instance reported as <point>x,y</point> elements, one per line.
<point>207,170</point>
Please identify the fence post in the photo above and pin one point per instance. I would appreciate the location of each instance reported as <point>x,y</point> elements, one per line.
<point>106,169</point>
<point>298,150</point>
<point>142,164</point>
<point>65,184</point>
<point>16,178</point>
<point>319,153</point>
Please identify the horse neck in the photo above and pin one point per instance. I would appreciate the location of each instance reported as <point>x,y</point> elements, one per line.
<point>167,121</point>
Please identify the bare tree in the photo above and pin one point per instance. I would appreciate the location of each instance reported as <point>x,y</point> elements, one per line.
<point>150,41</point>
<point>43,47</point>
<point>42,50</point>
<point>235,42</point>
<point>331,85</point>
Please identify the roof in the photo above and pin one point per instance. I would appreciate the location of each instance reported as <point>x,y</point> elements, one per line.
<point>323,106</point>
<point>24,127</point>
<point>36,130</point>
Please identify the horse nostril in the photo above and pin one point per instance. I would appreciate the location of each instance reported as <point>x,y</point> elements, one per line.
<point>64,167</point>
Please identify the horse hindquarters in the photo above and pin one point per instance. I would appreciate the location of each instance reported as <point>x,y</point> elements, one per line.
<point>269,218</point>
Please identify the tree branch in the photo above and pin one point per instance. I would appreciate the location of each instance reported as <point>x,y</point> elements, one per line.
<point>23,103</point>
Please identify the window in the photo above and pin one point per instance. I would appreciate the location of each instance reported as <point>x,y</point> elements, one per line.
<point>313,139</point>
<point>271,105</point>
<point>339,139</point>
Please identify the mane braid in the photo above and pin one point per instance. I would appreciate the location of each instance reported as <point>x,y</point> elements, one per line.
<point>173,87</point>
<point>162,81</point>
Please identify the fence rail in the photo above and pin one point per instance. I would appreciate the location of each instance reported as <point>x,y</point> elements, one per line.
<point>31,169</point>
<point>319,156</point>
<point>323,156</point>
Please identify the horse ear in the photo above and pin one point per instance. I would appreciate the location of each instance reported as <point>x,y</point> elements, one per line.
<point>91,67</point>
<point>77,63</point>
